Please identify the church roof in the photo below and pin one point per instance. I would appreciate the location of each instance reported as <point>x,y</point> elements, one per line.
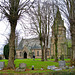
<point>32,43</point>
<point>20,46</point>
<point>36,47</point>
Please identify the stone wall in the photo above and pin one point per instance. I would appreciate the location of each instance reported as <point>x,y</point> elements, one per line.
<point>62,46</point>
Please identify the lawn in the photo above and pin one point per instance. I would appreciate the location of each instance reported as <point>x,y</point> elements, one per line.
<point>37,64</point>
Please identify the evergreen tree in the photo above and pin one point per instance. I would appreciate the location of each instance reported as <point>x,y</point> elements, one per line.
<point>6,51</point>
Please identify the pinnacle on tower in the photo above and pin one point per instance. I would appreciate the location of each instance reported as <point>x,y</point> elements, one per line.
<point>58,18</point>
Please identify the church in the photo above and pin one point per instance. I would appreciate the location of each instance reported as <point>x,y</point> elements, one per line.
<point>29,47</point>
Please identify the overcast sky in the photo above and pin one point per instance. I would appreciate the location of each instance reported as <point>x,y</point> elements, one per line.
<point>5,31</point>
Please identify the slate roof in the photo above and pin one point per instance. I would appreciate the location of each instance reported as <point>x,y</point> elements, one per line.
<point>36,47</point>
<point>20,46</point>
<point>32,43</point>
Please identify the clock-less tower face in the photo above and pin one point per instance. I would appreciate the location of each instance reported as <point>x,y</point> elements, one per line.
<point>59,30</point>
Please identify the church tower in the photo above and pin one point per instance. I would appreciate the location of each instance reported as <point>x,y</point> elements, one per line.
<point>60,30</point>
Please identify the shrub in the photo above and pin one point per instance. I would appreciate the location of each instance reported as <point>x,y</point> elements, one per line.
<point>6,51</point>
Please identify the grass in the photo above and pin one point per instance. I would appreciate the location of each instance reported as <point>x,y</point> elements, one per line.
<point>37,65</point>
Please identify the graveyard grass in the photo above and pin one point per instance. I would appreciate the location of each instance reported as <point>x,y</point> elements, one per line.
<point>37,65</point>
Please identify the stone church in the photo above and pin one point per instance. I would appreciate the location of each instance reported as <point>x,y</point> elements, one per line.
<point>27,46</point>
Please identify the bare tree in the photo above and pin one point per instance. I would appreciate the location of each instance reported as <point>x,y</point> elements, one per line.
<point>71,9</point>
<point>41,17</point>
<point>46,22</point>
<point>70,5</point>
<point>13,11</point>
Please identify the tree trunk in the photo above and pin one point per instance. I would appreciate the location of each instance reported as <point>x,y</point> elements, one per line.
<point>45,43</point>
<point>42,59</point>
<point>46,47</point>
<point>56,58</point>
<point>45,53</point>
<point>72,22</point>
<point>11,47</point>
<point>73,48</point>
<point>42,48</point>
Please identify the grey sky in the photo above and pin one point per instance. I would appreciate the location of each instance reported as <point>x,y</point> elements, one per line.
<point>5,31</point>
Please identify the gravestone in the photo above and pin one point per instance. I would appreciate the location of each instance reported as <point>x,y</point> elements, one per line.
<point>67,67</point>
<point>21,68</point>
<point>22,65</point>
<point>2,64</point>
<point>51,67</point>
<point>62,64</point>
<point>58,69</point>
<point>71,67</point>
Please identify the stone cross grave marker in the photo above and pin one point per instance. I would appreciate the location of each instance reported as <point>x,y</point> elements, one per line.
<point>2,64</point>
<point>62,64</point>
<point>22,65</point>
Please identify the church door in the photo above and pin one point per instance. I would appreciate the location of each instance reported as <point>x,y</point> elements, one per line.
<point>25,55</point>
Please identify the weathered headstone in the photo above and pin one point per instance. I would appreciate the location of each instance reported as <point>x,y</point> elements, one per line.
<point>51,67</point>
<point>48,67</point>
<point>62,64</point>
<point>22,65</point>
<point>58,69</point>
<point>73,66</point>
<point>70,68</point>
<point>21,68</point>
<point>2,64</point>
<point>67,67</point>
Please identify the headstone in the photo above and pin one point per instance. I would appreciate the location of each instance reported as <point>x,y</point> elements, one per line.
<point>22,65</point>
<point>73,67</point>
<point>51,67</point>
<point>48,67</point>
<point>70,68</point>
<point>2,64</point>
<point>20,70</point>
<point>41,68</point>
<point>63,68</point>
<point>62,64</point>
<point>67,67</point>
<point>58,69</point>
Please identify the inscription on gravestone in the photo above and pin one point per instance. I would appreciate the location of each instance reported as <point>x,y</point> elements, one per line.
<point>62,64</point>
